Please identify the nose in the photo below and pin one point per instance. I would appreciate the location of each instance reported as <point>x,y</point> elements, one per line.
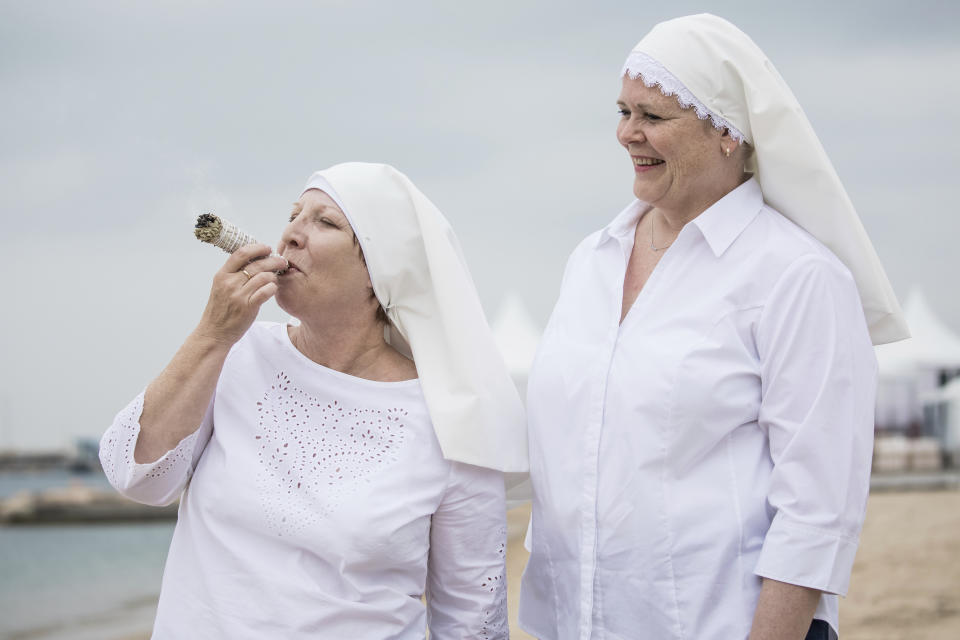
<point>630,131</point>
<point>292,235</point>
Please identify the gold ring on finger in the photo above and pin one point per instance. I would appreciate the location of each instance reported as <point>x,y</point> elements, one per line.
<point>246,273</point>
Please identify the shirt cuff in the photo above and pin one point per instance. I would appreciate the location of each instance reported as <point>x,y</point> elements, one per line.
<point>158,482</point>
<point>175,463</point>
<point>806,556</point>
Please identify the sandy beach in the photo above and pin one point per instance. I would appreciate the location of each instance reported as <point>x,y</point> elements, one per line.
<point>906,578</point>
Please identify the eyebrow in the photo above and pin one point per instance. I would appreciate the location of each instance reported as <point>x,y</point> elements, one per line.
<point>642,105</point>
<point>326,208</point>
<point>298,208</point>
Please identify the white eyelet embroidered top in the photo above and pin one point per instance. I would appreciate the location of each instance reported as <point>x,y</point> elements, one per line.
<point>319,505</point>
<point>721,434</point>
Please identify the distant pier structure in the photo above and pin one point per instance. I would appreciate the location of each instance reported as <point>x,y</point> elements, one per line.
<point>82,456</point>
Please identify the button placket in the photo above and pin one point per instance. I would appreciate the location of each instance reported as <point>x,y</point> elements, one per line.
<point>615,267</point>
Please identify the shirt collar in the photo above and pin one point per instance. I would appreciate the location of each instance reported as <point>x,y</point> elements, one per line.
<point>624,224</point>
<point>720,224</point>
<point>726,218</point>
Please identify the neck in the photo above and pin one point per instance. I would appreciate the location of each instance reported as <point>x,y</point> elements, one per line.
<point>675,218</point>
<point>343,344</point>
<point>669,223</point>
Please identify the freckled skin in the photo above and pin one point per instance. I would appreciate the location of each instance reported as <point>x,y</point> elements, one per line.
<point>696,173</point>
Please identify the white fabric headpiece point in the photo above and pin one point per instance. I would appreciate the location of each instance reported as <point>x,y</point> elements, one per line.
<point>712,66</point>
<point>420,277</point>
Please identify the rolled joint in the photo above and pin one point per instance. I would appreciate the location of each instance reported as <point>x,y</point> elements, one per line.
<point>220,233</point>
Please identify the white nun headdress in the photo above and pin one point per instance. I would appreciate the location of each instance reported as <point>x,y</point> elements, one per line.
<point>712,66</point>
<point>421,279</point>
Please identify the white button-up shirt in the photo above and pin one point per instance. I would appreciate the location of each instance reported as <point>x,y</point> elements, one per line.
<point>722,433</point>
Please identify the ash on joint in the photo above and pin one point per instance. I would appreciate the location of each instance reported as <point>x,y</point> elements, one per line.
<point>208,227</point>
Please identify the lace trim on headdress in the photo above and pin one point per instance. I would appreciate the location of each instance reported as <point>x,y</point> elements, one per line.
<point>653,73</point>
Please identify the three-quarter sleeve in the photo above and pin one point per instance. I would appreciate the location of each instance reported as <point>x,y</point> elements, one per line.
<point>155,483</point>
<point>818,374</point>
<point>466,577</point>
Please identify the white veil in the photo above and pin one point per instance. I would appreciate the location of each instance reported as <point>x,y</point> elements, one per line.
<point>422,281</point>
<point>712,66</point>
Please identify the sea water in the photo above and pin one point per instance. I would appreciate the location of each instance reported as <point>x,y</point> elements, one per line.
<point>78,581</point>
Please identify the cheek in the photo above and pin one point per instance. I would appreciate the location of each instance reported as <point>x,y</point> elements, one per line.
<point>690,159</point>
<point>349,263</point>
<point>685,165</point>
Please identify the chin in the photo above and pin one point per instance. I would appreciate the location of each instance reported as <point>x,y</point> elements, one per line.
<point>646,192</point>
<point>641,192</point>
<point>283,302</point>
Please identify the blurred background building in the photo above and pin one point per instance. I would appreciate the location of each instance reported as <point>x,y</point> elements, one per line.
<point>918,394</point>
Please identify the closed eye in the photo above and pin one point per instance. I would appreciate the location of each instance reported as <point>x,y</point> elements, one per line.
<point>325,221</point>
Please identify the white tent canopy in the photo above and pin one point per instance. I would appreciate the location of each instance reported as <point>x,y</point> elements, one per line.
<point>933,345</point>
<point>516,335</point>
<point>910,369</point>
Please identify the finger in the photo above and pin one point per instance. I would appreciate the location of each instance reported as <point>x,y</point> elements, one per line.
<point>263,294</point>
<point>247,277</point>
<point>271,263</point>
<point>277,263</point>
<point>258,280</point>
<point>242,256</point>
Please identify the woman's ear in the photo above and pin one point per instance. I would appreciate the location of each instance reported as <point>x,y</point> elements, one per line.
<point>728,144</point>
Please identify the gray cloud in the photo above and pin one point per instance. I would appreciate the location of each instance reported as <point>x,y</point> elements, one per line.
<point>121,121</point>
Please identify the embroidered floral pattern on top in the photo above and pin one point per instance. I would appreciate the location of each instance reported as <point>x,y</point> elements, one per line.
<point>651,72</point>
<point>495,624</point>
<point>313,453</point>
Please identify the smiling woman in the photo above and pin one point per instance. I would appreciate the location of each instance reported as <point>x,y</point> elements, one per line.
<point>675,153</point>
<point>336,470</point>
<point>701,402</point>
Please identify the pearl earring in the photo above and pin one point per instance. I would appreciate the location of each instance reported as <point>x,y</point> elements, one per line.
<point>726,152</point>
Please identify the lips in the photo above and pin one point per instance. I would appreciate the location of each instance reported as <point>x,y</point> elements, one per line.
<point>642,164</point>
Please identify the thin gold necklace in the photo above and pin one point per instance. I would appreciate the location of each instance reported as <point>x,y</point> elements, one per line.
<point>652,245</point>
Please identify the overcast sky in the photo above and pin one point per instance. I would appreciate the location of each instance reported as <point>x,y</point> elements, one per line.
<point>121,121</point>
